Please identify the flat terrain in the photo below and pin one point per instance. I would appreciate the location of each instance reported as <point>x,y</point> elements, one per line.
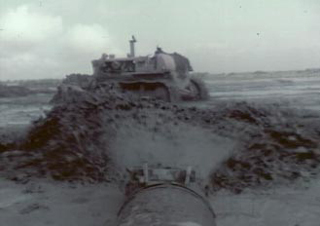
<point>298,89</point>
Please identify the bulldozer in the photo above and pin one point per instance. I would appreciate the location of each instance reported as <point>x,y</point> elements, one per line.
<point>164,76</point>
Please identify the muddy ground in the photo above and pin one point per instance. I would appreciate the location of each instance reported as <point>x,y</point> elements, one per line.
<point>257,136</point>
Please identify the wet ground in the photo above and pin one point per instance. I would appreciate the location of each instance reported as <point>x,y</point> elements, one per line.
<point>298,89</point>
<point>20,111</point>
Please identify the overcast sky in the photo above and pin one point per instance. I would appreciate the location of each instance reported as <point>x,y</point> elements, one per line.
<point>52,38</point>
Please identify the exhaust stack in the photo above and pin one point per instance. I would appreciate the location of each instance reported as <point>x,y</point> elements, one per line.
<point>132,50</point>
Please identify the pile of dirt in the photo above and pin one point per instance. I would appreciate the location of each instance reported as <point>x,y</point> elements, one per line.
<point>81,80</point>
<point>70,143</point>
<point>274,145</point>
<point>13,91</point>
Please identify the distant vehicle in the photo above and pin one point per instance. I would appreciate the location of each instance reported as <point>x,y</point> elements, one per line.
<point>162,76</point>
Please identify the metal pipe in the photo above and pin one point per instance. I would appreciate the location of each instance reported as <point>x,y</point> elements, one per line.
<point>166,204</point>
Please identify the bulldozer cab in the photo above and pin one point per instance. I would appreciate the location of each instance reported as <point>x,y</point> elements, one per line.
<point>108,66</point>
<point>118,66</point>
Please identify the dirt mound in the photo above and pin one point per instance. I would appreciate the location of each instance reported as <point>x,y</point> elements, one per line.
<point>81,80</point>
<point>70,143</point>
<point>76,141</point>
<point>277,147</point>
<point>273,144</point>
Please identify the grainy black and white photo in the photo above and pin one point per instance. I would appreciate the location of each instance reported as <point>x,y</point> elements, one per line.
<point>160,112</point>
